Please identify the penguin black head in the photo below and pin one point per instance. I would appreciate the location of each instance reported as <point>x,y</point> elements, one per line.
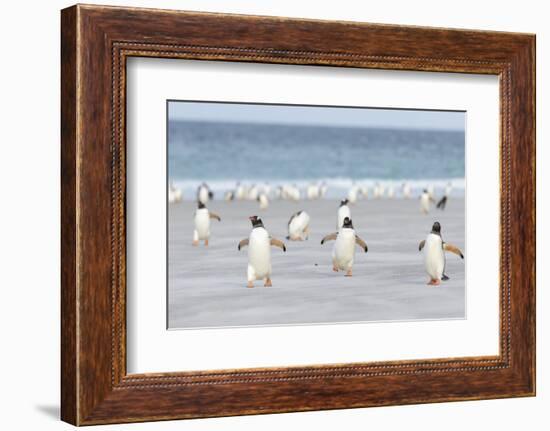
<point>343,202</point>
<point>424,191</point>
<point>436,228</point>
<point>256,221</point>
<point>347,223</point>
<point>200,205</point>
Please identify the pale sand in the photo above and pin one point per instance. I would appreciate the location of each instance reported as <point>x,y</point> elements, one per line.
<point>207,285</point>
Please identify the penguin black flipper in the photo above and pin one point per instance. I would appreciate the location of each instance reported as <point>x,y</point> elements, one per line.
<point>329,237</point>
<point>361,243</point>
<point>441,204</point>
<point>445,277</point>
<point>243,243</point>
<point>453,249</point>
<point>215,216</point>
<point>421,245</point>
<point>278,243</point>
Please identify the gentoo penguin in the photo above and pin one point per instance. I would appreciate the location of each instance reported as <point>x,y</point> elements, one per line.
<point>174,194</point>
<point>204,194</point>
<point>431,190</point>
<point>425,200</point>
<point>352,194</point>
<point>229,195</point>
<point>253,192</point>
<point>202,224</point>
<point>323,188</point>
<point>391,191</point>
<point>442,202</point>
<point>263,200</point>
<point>448,189</point>
<point>365,191</point>
<point>239,192</point>
<point>294,192</point>
<point>313,191</point>
<point>267,189</point>
<point>343,212</point>
<point>343,252</point>
<point>259,252</point>
<point>298,226</point>
<point>406,190</point>
<point>378,191</point>
<point>434,254</point>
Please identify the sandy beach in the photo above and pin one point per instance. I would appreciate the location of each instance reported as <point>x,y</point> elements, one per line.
<point>207,285</point>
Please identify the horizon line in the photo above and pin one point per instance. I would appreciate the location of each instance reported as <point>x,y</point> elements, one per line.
<point>319,125</point>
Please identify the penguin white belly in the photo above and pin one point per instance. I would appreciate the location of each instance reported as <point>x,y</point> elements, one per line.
<point>343,212</point>
<point>295,228</point>
<point>434,256</point>
<point>202,223</point>
<point>343,252</point>
<point>259,254</point>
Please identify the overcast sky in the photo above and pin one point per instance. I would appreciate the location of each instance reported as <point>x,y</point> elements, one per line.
<point>320,116</point>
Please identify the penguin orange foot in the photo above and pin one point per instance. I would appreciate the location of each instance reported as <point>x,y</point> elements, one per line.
<point>250,284</point>
<point>268,282</point>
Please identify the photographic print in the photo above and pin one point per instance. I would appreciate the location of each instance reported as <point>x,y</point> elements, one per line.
<point>297,214</point>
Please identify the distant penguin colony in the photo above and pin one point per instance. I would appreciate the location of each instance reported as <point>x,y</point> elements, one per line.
<point>259,253</point>
<point>259,241</point>
<point>202,224</point>
<point>434,255</point>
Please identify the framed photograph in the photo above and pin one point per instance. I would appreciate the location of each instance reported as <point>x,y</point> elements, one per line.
<point>267,215</point>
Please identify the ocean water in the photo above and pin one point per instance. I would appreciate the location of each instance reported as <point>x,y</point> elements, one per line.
<point>222,154</point>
